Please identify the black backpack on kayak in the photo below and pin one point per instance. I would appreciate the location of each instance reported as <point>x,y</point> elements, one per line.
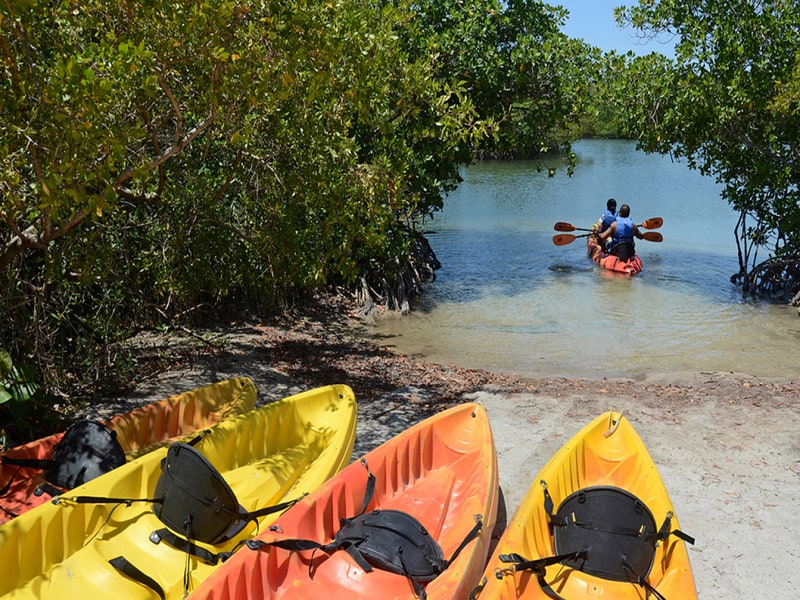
<point>87,450</point>
<point>390,540</point>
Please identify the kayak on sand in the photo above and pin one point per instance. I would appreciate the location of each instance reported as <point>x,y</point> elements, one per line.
<point>596,522</point>
<point>32,473</point>
<point>159,525</point>
<point>428,503</point>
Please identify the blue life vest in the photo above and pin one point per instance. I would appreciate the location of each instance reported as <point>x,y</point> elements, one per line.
<point>624,232</point>
<point>607,219</point>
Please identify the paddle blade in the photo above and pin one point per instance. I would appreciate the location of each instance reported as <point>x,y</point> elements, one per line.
<point>653,223</point>
<point>563,239</point>
<point>652,236</point>
<point>562,226</point>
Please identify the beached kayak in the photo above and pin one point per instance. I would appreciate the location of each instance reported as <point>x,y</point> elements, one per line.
<point>136,432</point>
<point>435,483</point>
<point>631,266</point>
<point>597,522</point>
<point>160,524</point>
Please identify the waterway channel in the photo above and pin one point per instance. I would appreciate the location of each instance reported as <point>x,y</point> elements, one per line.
<point>507,299</point>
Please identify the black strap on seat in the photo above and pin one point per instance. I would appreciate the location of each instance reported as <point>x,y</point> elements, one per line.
<point>476,591</point>
<point>538,567</point>
<point>666,531</point>
<point>637,578</point>
<point>103,500</point>
<point>548,503</point>
<point>188,546</point>
<point>390,540</point>
<point>28,463</point>
<point>123,565</point>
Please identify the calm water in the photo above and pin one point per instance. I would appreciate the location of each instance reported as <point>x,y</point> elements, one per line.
<point>507,299</point>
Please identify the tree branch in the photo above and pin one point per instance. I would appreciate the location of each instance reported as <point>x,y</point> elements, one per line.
<point>167,154</point>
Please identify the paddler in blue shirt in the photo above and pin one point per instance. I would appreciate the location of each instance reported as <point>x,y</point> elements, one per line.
<point>621,232</point>
<point>608,217</point>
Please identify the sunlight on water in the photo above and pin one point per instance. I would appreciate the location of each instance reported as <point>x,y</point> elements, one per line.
<point>507,299</point>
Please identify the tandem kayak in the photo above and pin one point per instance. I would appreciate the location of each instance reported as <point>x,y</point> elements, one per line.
<point>597,522</point>
<point>412,519</point>
<point>631,266</point>
<point>160,524</point>
<point>25,485</point>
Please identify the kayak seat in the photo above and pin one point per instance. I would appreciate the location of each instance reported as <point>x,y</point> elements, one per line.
<point>614,528</point>
<point>391,540</point>
<point>87,450</point>
<point>623,251</point>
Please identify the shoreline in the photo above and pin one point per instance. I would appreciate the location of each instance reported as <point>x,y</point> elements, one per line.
<point>726,444</point>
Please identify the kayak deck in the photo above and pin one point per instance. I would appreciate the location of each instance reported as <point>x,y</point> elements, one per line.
<point>631,266</point>
<point>608,455</point>
<point>442,471</point>
<point>269,455</point>
<point>138,431</point>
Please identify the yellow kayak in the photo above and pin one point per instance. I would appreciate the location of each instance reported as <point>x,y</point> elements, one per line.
<point>160,524</point>
<point>597,522</point>
<point>137,432</point>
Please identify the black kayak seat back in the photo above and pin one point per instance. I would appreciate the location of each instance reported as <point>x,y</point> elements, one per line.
<point>87,450</point>
<point>393,541</point>
<point>194,499</point>
<point>613,527</point>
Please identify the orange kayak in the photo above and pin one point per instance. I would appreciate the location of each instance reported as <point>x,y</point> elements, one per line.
<point>137,432</point>
<point>631,266</point>
<point>597,522</point>
<point>442,472</point>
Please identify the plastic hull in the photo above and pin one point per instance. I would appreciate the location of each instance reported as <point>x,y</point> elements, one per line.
<point>443,471</point>
<point>632,266</point>
<point>268,455</point>
<point>138,431</point>
<point>607,452</point>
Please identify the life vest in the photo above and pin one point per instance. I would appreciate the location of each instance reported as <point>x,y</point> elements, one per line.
<point>607,219</point>
<point>624,232</point>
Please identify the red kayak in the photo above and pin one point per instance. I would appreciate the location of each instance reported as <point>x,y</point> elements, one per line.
<point>631,266</point>
<point>24,483</point>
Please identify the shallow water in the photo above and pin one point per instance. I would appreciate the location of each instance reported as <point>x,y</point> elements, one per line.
<point>507,299</point>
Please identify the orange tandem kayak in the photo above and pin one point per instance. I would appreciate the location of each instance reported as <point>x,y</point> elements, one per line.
<point>441,473</point>
<point>597,522</point>
<point>631,266</point>
<point>137,432</point>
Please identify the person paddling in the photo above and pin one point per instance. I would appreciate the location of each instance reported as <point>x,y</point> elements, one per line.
<point>608,217</point>
<point>621,232</point>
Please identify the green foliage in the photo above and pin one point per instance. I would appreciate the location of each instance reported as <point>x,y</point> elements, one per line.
<point>18,391</point>
<point>15,385</point>
<point>164,160</point>
<point>522,75</point>
<point>729,104</point>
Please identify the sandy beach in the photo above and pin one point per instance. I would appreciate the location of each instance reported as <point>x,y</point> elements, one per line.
<point>727,445</point>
